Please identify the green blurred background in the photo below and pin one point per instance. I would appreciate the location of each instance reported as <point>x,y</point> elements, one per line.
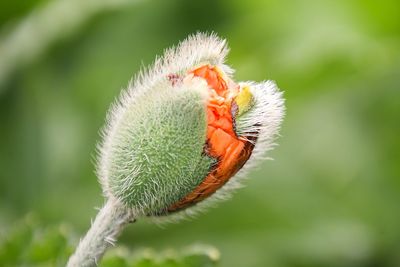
<point>331,195</point>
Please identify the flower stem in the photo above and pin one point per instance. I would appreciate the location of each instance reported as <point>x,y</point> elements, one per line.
<point>109,223</point>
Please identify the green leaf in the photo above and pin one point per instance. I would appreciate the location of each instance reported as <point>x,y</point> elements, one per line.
<point>201,256</point>
<point>31,244</point>
<point>194,256</point>
<point>46,245</point>
<point>16,242</point>
<point>115,258</point>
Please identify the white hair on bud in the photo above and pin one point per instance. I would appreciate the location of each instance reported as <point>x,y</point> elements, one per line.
<point>264,118</point>
<point>196,50</point>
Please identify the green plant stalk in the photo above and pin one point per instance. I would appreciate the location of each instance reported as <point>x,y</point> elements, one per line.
<point>109,223</point>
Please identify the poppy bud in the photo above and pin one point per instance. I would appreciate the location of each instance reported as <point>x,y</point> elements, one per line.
<point>179,137</point>
<point>184,129</point>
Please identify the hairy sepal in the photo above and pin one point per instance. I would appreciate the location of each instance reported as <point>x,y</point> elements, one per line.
<point>149,85</point>
<point>263,121</point>
<point>156,154</point>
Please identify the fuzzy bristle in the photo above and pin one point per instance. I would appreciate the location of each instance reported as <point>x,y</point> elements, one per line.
<point>152,152</point>
<point>152,85</point>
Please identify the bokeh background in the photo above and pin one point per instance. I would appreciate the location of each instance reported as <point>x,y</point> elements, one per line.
<point>331,195</point>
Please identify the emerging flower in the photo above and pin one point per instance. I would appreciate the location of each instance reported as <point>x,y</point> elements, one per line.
<point>183,131</point>
<point>178,138</point>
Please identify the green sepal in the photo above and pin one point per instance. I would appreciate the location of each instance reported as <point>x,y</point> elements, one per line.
<point>157,156</point>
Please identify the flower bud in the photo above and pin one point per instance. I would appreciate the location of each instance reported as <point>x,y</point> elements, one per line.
<point>182,132</point>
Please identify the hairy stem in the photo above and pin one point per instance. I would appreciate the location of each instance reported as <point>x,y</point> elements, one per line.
<point>109,223</point>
